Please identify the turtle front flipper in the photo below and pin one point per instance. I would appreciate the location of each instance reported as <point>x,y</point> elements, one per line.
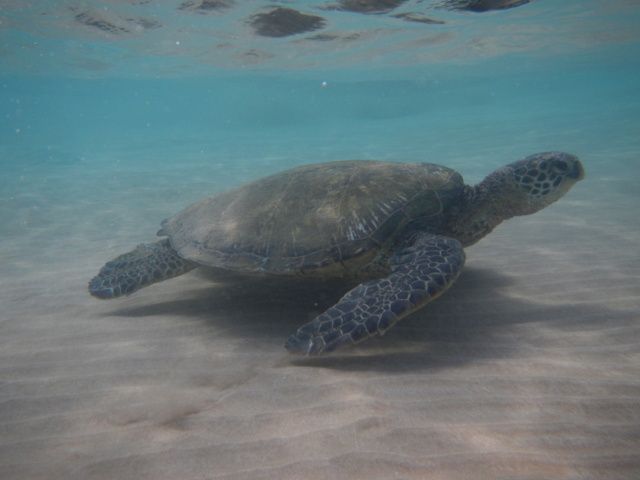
<point>419,274</point>
<point>147,264</point>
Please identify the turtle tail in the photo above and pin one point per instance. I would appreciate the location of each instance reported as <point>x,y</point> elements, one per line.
<point>147,264</point>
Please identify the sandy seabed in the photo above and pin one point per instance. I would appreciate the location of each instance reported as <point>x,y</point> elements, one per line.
<point>528,368</point>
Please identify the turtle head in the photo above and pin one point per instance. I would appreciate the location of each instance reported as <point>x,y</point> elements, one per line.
<point>530,184</point>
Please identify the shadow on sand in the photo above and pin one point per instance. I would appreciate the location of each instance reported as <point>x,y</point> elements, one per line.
<point>471,322</point>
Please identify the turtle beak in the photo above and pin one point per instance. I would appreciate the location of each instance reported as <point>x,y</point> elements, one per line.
<point>564,164</point>
<point>577,171</point>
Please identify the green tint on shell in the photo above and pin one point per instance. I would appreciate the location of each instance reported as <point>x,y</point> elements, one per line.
<point>317,219</point>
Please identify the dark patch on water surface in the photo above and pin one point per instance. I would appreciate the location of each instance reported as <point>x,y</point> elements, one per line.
<point>206,6</point>
<point>412,17</point>
<point>368,6</point>
<point>379,7</point>
<point>115,25</point>
<point>323,37</point>
<point>283,22</point>
<point>483,5</point>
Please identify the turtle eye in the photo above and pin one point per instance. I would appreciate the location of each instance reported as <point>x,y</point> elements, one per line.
<point>559,166</point>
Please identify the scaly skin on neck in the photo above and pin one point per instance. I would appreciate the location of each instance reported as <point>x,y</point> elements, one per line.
<point>483,207</point>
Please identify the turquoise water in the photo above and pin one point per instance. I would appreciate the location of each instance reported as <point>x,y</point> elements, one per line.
<point>534,77</point>
<point>117,114</point>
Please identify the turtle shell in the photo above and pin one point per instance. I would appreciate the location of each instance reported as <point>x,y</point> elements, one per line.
<point>320,219</point>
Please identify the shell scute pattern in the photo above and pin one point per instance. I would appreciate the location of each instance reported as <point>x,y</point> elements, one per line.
<point>314,218</point>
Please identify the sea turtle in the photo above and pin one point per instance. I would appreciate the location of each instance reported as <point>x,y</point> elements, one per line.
<point>400,228</point>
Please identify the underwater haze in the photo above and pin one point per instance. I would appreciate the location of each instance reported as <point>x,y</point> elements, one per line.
<point>117,114</point>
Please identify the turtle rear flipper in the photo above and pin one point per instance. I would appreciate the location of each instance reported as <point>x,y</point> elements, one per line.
<point>419,274</point>
<point>147,264</point>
